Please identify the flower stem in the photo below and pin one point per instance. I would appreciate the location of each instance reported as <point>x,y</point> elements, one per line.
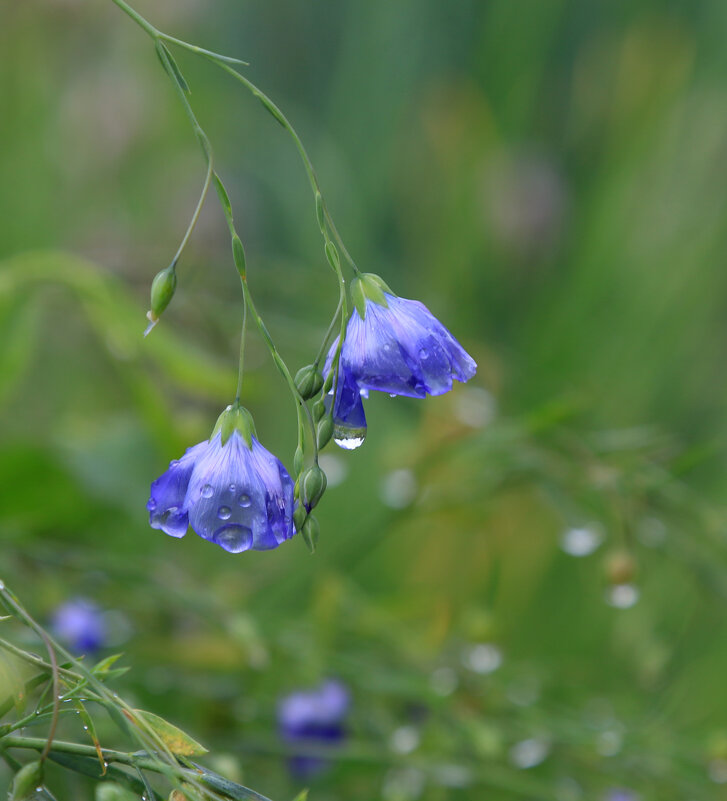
<point>241,367</point>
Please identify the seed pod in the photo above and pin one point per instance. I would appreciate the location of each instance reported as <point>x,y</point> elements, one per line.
<point>325,431</point>
<point>308,381</point>
<point>26,780</point>
<point>162,291</point>
<point>313,484</point>
<point>310,532</point>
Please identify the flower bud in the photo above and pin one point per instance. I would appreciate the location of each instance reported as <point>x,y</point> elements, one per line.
<point>298,461</point>
<point>319,409</point>
<point>325,431</point>
<point>26,780</point>
<point>313,484</point>
<point>299,517</point>
<point>111,791</point>
<point>308,381</point>
<point>310,532</point>
<point>162,291</point>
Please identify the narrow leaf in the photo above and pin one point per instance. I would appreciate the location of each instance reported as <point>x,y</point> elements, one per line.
<point>88,725</point>
<point>177,741</point>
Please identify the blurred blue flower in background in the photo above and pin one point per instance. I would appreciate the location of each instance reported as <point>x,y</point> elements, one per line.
<point>621,794</point>
<point>314,717</point>
<point>230,489</point>
<point>80,624</point>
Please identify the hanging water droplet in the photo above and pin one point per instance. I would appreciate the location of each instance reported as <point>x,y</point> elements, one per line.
<point>349,443</point>
<point>207,491</point>
<point>224,512</point>
<point>349,437</point>
<point>234,538</point>
<point>244,500</point>
<point>392,395</point>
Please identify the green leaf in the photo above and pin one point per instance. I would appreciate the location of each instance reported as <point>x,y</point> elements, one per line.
<point>102,668</point>
<point>177,741</point>
<point>170,65</point>
<point>89,726</point>
<point>302,795</point>
<point>238,792</point>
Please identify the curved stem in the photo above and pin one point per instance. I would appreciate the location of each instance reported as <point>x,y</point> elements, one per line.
<point>241,367</point>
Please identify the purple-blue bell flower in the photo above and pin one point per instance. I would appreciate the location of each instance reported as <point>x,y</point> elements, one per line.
<point>398,346</point>
<point>349,418</point>
<point>315,717</point>
<point>621,794</point>
<point>229,489</point>
<point>80,624</point>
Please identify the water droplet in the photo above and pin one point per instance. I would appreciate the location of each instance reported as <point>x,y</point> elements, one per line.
<point>85,728</point>
<point>207,491</point>
<point>581,541</point>
<point>423,354</point>
<point>622,596</point>
<point>349,443</point>
<point>392,395</point>
<point>151,504</point>
<point>234,538</point>
<point>244,500</point>
<point>224,512</point>
<point>174,463</point>
<point>232,488</point>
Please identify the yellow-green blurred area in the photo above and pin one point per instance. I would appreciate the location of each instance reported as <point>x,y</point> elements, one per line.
<point>523,582</point>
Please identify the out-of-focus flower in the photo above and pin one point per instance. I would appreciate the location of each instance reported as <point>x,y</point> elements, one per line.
<point>620,794</point>
<point>392,345</point>
<point>230,489</point>
<point>314,717</point>
<point>80,624</point>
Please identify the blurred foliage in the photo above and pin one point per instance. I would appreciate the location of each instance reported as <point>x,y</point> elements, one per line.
<point>549,178</point>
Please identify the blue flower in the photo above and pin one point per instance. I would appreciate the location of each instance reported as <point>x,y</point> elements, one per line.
<point>314,717</point>
<point>229,489</point>
<point>392,345</point>
<point>80,624</point>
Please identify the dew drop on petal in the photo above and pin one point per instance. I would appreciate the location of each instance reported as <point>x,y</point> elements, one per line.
<point>151,504</point>
<point>234,538</point>
<point>423,354</point>
<point>224,512</point>
<point>207,491</point>
<point>232,488</point>
<point>244,500</point>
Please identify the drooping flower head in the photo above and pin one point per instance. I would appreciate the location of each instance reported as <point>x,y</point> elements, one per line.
<point>315,717</point>
<point>392,345</point>
<point>80,624</point>
<point>229,489</point>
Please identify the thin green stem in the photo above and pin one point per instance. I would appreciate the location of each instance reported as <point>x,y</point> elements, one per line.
<point>138,19</point>
<point>241,367</point>
<point>328,333</point>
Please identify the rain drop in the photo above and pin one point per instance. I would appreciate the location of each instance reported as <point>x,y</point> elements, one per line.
<point>349,443</point>
<point>224,512</point>
<point>423,354</point>
<point>234,538</point>
<point>244,500</point>
<point>151,505</point>
<point>207,491</point>
<point>232,488</point>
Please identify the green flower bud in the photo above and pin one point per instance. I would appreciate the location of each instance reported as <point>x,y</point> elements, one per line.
<point>299,517</point>
<point>318,410</point>
<point>325,431</point>
<point>111,791</point>
<point>328,383</point>
<point>298,460</point>
<point>235,418</point>
<point>26,780</point>
<point>310,532</point>
<point>308,381</point>
<point>162,291</point>
<point>313,484</point>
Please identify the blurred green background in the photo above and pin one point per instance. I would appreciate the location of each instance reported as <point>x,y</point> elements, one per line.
<point>550,178</point>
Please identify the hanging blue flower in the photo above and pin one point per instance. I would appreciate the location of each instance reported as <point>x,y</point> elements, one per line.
<point>229,489</point>
<point>392,345</point>
<point>314,717</point>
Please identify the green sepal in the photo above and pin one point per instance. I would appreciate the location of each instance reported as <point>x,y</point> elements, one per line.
<point>320,213</point>
<point>368,286</point>
<point>332,255</point>
<point>298,460</point>
<point>311,531</point>
<point>235,418</point>
<point>318,409</point>
<point>26,780</point>
<point>299,517</point>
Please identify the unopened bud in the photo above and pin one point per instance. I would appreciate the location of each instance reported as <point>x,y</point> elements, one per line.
<point>325,431</point>
<point>26,780</point>
<point>313,484</point>
<point>310,532</point>
<point>298,460</point>
<point>162,291</point>
<point>299,516</point>
<point>308,381</point>
<point>318,410</point>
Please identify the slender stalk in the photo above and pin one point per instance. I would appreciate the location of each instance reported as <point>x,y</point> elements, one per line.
<point>241,367</point>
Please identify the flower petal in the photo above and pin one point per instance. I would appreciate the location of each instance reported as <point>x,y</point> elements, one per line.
<point>166,504</point>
